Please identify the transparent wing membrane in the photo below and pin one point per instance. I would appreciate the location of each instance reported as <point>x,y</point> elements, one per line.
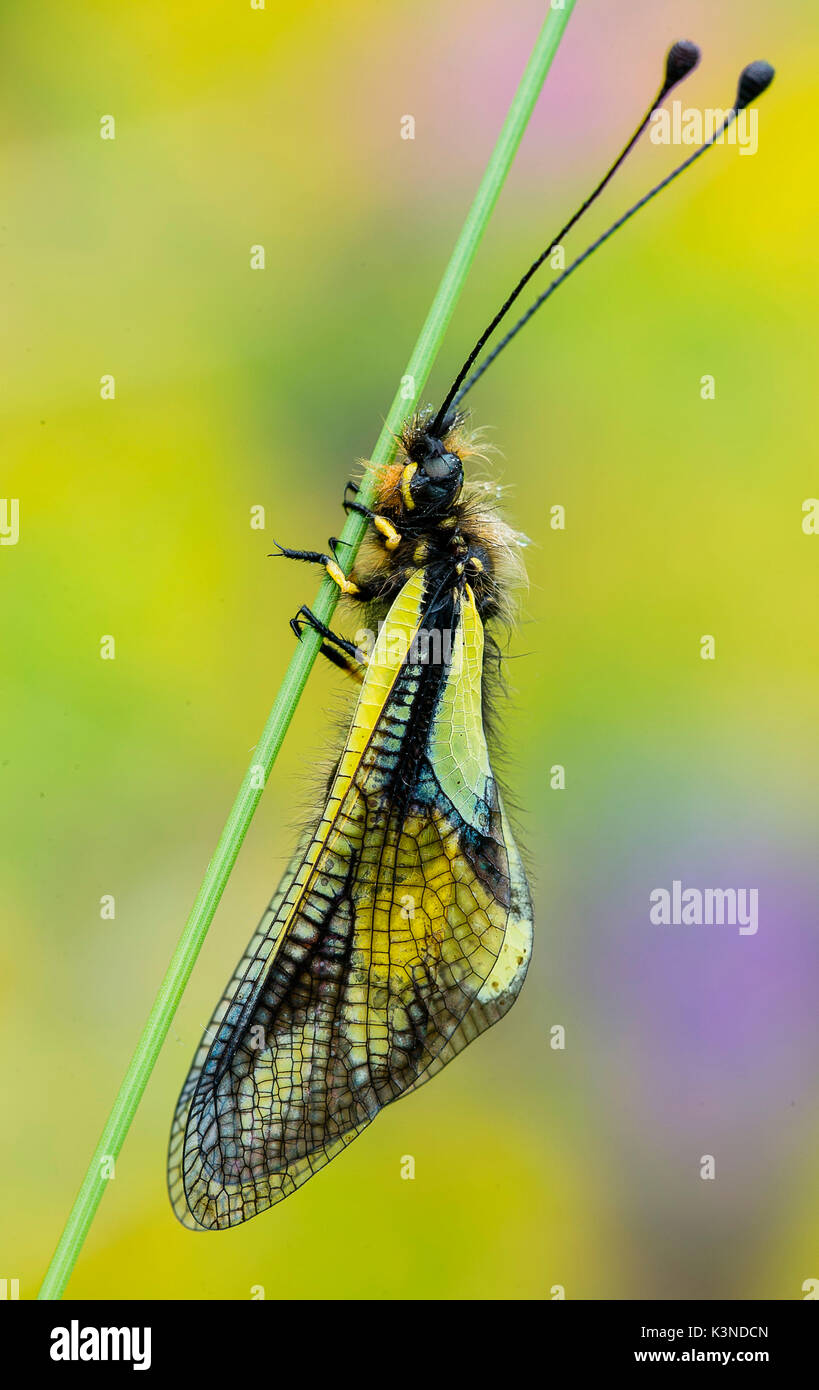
<point>401,930</point>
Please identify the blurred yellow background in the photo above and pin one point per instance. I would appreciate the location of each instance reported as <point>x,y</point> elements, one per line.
<point>281,127</point>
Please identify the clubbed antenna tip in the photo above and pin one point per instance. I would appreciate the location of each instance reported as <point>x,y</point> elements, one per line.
<point>683,57</point>
<point>752,83</point>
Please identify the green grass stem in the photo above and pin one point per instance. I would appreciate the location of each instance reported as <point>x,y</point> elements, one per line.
<point>218,871</point>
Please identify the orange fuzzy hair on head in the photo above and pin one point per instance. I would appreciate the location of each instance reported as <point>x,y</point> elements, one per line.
<point>467,525</point>
<point>458,440</point>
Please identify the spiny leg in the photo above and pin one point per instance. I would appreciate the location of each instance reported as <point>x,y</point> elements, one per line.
<point>335,648</point>
<point>360,590</point>
<point>318,557</point>
<point>391,537</point>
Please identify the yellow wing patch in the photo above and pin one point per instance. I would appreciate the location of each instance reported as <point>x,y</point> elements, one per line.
<point>399,933</point>
<point>458,751</point>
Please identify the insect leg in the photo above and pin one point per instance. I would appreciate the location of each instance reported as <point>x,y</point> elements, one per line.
<point>317,557</point>
<point>336,648</point>
<point>390,536</point>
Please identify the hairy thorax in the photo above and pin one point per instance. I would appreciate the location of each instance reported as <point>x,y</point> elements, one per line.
<point>464,535</point>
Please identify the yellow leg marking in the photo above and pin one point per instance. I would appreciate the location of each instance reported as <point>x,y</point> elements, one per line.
<point>345,585</point>
<point>406,478</point>
<point>392,538</point>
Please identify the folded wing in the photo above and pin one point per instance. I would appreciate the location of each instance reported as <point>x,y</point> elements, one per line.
<point>401,930</point>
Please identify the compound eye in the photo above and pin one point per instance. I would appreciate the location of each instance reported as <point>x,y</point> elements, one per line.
<point>441,468</point>
<point>436,482</point>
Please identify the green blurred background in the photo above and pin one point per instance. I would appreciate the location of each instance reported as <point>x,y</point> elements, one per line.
<point>235,388</point>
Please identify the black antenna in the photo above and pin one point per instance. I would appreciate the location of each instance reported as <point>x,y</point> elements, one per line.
<point>753,80</point>
<point>682,58</point>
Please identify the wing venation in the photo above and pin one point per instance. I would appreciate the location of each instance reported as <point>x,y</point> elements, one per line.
<point>402,929</point>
